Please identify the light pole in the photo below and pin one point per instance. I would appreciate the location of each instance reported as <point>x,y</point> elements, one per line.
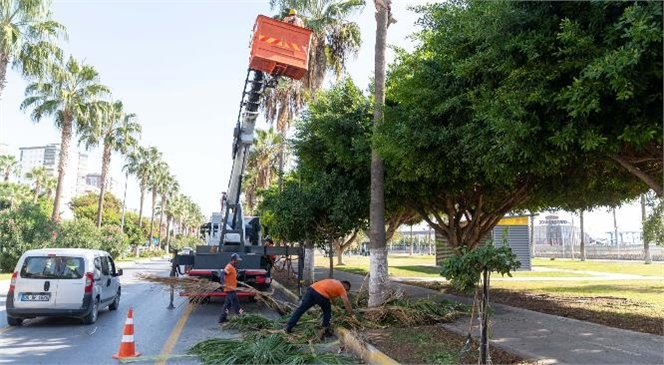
<point>124,202</point>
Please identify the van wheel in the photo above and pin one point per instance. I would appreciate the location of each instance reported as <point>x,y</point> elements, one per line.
<point>116,302</point>
<point>91,318</point>
<point>13,321</point>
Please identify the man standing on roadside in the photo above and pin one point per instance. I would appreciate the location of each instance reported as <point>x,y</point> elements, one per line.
<point>320,293</point>
<point>230,287</point>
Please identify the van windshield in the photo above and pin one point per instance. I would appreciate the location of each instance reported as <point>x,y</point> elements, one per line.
<point>52,267</point>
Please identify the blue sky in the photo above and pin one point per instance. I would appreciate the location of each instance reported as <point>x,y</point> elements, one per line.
<point>180,66</point>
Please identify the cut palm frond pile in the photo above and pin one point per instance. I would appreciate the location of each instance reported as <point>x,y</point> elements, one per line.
<point>251,322</point>
<point>273,348</point>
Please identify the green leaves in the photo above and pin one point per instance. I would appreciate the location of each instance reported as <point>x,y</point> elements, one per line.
<point>464,271</point>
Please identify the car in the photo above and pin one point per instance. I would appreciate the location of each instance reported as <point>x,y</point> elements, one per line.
<point>63,282</point>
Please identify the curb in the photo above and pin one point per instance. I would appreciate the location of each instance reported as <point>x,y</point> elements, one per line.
<point>362,349</point>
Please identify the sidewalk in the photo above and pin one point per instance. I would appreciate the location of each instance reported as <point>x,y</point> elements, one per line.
<point>547,338</point>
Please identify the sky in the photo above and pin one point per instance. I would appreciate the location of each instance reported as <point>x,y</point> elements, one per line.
<point>180,66</point>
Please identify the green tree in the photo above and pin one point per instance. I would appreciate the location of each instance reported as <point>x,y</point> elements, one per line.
<point>78,233</point>
<point>140,163</point>
<point>85,207</point>
<point>262,165</point>
<point>465,143</point>
<point>65,94</point>
<point>25,228</point>
<point>27,33</point>
<point>8,166</point>
<point>117,131</point>
<point>38,175</point>
<point>12,195</point>
<point>114,241</point>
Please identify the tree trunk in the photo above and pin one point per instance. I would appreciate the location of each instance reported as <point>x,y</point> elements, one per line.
<point>67,131</point>
<point>154,202</point>
<point>330,255</point>
<point>308,270</point>
<point>340,254</point>
<point>582,244</point>
<point>140,208</point>
<point>124,202</point>
<point>646,246</point>
<point>378,280</point>
<point>37,189</point>
<point>161,222</point>
<point>4,62</point>
<point>105,163</point>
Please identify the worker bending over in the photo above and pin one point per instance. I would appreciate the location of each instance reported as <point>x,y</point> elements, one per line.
<point>292,18</point>
<point>321,293</point>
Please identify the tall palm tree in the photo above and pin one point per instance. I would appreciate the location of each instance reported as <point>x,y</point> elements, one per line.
<point>170,188</point>
<point>261,165</point>
<point>141,163</point>
<point>156,183</point>
<point>117,131</point>
<point>49,184</point>
<point>378,279</point>
<point>38,175</point>
<point>27,33</point>
<point>8,165</point>
<point>66,94</point>
<point>334,41</point>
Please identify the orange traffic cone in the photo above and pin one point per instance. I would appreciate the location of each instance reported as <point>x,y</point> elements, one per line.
<point>127,346</point>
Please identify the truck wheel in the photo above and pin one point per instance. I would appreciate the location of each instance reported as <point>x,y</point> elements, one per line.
<point>13,321</point>
<point>91,318</point>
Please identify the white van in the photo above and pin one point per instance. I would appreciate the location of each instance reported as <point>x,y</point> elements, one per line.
<point>63,282</point>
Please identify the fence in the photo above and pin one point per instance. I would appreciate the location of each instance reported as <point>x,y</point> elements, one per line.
<point>626,252</point>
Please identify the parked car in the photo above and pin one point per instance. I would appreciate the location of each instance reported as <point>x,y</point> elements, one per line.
<point>63,282</point>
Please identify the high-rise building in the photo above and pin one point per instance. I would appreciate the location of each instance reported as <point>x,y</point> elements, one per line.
<point>49,157</point>
<point>93,184</point>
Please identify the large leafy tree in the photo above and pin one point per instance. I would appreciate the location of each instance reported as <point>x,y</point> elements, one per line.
<point>468,145</point>
<point>85,206</point>
<point>116,131</point>
<point>27,35</point>
<point>8,166</point>
<point>66,94</point>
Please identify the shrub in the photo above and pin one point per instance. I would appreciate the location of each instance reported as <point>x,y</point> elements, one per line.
<point>25,228</point>
<point>79,233</point>
<point>114,241</point>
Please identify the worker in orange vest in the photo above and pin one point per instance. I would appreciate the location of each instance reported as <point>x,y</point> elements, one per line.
<point>321,293</point>
<point>292,18</point>
<point>230,285</point>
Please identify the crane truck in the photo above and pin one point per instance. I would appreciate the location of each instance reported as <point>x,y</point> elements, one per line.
<point>278,50</point>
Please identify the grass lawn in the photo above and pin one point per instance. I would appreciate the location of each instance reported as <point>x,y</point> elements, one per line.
<point>621,267</point>
<point>6,276</point>
<point>420,267</point>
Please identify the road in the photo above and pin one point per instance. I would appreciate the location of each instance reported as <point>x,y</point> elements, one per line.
<point>157,329</point>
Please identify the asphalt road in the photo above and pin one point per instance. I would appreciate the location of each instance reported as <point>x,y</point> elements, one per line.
<point>157,329</point>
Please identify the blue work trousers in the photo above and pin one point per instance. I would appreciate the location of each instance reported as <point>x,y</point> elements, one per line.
<point>311,298</point>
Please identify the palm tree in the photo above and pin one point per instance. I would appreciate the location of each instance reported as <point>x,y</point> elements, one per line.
<point>170,188</point>
<point>140,163</point>
<point>26,35</point>
<point>117,131</point>
<point>39,175</point>
<point>8,165</point>
<point>156,183</point>
<point>49,184</point>
<point>66,94</point>
<point>14,194</point>
<point>333,42</point>
<point>378,279</point>
<point>261,165</point>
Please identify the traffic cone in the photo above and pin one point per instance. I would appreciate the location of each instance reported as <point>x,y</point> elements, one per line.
<point>127,346</point>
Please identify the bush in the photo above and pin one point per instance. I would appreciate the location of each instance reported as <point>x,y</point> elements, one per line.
<point>25,228</point>
<point>114,241</point>
<point>79,233</point>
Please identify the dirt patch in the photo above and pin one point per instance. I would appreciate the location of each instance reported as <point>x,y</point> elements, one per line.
<point>432,345</point>
<point>612,311</point>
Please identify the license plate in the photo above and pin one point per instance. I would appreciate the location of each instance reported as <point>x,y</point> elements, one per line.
<point>36,297</point>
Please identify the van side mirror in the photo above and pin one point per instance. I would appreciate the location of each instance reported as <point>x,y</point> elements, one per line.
<point>119,272</point>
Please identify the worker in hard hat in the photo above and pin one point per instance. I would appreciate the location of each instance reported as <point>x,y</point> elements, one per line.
<point>292,18</point>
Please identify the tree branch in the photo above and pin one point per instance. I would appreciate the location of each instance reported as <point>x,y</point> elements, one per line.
<point>659,189</point>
